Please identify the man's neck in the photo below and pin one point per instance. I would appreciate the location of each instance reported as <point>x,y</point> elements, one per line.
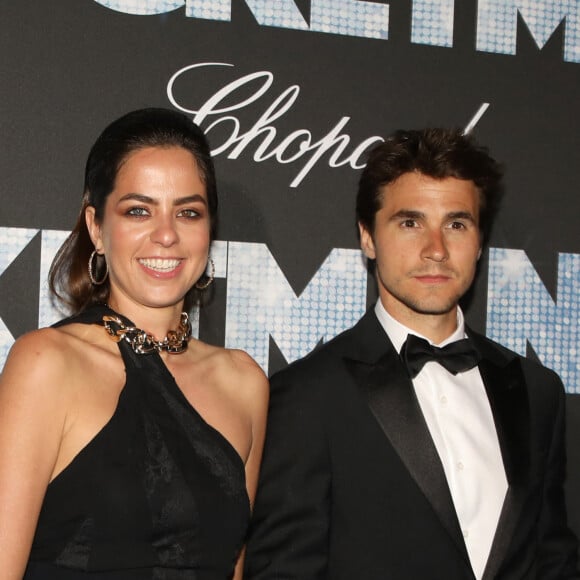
<point>435,327</point>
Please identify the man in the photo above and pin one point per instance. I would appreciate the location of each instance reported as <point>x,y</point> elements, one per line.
<point>385,461</point>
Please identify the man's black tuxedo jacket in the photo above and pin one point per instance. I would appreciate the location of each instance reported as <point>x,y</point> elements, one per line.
<point>352,487</point>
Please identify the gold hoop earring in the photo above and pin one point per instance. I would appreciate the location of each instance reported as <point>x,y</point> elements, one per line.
<point>92,278</point>
<point>210,278</point>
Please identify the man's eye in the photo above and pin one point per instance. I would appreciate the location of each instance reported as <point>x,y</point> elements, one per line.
<point>457,225</point>
<point>408,223</point>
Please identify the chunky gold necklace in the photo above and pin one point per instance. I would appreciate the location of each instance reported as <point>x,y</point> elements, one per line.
<point>142,342</point>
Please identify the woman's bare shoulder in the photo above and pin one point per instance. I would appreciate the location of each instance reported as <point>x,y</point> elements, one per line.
<point>234,361</point>
<point>235,369</point>
<point>44,356</point>
<point>34,390</point>
<point>38,351</point>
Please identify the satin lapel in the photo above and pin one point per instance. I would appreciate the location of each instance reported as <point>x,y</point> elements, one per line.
<point>391,398</point>
<point>507,393</point>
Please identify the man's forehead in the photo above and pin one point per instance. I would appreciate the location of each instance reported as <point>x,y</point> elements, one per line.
<point>420,195</point>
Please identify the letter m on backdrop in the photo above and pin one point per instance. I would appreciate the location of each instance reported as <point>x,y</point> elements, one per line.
<point>521,312</point>
<point>497,24</point>
<point>261,303</point>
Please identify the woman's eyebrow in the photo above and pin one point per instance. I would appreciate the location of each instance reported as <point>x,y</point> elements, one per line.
<point>152,201</point>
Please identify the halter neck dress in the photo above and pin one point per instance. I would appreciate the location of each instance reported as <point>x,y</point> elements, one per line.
<point>157,494</point>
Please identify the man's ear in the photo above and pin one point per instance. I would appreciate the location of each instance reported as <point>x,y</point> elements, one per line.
<point>479,253</point>
<point>93,228</point>
<point>366,242</point>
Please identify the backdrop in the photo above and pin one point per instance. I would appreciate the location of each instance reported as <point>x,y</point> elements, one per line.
<point>291,94</point>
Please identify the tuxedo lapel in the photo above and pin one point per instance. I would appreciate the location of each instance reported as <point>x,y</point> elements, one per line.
<point>505,386</point>
<point>382,379</point>
<point>380,375</point>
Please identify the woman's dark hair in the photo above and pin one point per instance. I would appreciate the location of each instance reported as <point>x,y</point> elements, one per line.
<point>436,153</point>
<point>68,277</point>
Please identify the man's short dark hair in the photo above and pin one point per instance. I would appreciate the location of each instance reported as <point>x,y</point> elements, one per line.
<point>436,153</point>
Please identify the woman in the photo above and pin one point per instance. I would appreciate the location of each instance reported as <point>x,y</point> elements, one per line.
<point>128,449</point>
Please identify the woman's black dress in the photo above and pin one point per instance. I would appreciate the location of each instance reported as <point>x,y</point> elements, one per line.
<point>157,494</point>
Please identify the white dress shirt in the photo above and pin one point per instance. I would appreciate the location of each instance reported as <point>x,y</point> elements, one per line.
<point>459,418</point>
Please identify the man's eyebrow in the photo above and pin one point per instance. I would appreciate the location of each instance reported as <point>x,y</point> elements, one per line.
<point>151,201</point>
<point>464,215</point>
<point>407,214</point>
<point>414,214</point>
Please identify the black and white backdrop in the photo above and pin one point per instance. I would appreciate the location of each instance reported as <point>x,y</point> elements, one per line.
<point>291,94</point>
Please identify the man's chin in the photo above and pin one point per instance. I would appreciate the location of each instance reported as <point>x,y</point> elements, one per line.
<point>432,308</point>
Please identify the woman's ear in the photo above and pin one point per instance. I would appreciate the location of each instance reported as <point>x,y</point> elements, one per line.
<point>93,228</point>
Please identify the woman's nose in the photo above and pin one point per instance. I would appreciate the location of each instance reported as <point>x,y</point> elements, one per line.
<point>164,232</point>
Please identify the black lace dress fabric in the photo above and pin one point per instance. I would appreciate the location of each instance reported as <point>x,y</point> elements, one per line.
<point>157,494</point>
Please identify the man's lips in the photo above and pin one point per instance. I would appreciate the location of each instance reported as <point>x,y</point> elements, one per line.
<point>432,278</point>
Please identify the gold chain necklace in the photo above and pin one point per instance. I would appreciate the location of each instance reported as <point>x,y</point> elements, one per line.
<point>142,342</point>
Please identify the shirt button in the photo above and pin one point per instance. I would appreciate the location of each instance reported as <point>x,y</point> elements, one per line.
<point>443,399</point>
<point>465,534</point>
<point>460,466</point>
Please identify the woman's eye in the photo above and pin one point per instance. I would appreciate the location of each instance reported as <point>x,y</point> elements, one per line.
<point>188,213</point>
<point>138,211</point>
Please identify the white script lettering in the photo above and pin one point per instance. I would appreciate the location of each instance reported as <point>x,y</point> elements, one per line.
<point>263,133</point>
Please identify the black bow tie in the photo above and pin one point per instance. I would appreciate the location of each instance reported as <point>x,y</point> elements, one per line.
<point>456,357</point>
